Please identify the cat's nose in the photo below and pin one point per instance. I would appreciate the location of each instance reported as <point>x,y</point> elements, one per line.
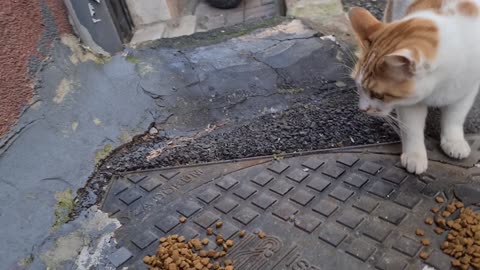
<point>364,109</point>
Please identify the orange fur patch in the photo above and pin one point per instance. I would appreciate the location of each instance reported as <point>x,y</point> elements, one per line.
<point>420,36</point>
<point>467,8</point>
<point>419,5</point>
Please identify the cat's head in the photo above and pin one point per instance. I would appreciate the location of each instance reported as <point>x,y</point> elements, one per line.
<point>394,61</point>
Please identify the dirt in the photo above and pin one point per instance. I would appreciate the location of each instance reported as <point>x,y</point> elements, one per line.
<point>27,27</point>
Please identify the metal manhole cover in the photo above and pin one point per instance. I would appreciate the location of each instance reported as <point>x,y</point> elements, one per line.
<point>321,211</point>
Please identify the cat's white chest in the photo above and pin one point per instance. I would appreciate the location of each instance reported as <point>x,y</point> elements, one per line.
<point>449,92</point>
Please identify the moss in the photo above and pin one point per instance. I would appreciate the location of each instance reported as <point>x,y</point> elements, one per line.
<point>132,59</point>
<point>290,90</point>
<point>63,208</point>
<point>103,153</point>
<point>25,262</point>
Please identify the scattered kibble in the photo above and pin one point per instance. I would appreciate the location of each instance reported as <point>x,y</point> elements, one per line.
<point>463,239</point>
<point>219,224</point>
<point>429,221</point>
<point>209,231</point>
<point>419,232</point>
<point>229,243</point>
<point>446,214</point>
<point>438,230</point>
<point>175,254</point>
<point>205,241</point>
<point>424,255</point>
<point>425,242</point>
<point>439,199</point>
<point>435,210</point>
<point>183,219</point>
<point>262,235</point>
<point>242,233</point>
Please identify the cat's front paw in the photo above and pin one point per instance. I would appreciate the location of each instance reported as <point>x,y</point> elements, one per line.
<point>455,148</point>
<point>415,162</point>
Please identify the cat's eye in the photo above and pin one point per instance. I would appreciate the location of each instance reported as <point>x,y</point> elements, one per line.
<point>376,95</point>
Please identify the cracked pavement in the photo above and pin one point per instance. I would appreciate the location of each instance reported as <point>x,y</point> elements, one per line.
<point>267,82</point>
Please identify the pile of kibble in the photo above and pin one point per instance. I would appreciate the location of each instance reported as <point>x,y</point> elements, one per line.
<point>463,238</point>
<point>175,253</point>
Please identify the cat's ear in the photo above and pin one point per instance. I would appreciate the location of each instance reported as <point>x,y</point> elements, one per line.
<point>404,61</point>
<point>364,24</point>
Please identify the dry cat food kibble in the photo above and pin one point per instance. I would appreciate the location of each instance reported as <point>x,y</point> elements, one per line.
<point>262,235</point>
<point>463,239</point>
<point>429,221</point>
<point>219,224</point>
<point>176,254</point>
<point>419,232</point>
<point>424,255</point>
<point>439,199</point>
<point>183,220</point>
<point>425,242</point>
<point>242,233</point>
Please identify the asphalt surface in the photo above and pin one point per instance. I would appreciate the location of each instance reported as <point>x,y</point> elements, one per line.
<point>279,89</point>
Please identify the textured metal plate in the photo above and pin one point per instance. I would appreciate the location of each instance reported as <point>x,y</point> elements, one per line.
<point>322,211</point>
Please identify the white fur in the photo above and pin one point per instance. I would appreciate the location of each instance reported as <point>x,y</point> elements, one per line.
<point>450,82</point>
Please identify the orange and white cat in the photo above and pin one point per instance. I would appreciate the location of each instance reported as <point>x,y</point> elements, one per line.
<point>428,58</point>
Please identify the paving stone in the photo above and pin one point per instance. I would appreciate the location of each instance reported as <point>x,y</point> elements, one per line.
<point>169,174</point>
<point>392,214</point>
<point>325,207</point>
<point>313,163</point>
<point>350,218</point>
<point>348,160</point>
<point>136,178</point>
<point>297,175</point>
<point>281,187</point>
<point>245,191</point>
<point>264,201</point>
<point>333,171</point>
<point>206,219</point>
<point>260,12</point>
<point>341,193</point>
<point>278,167</point>
<point>166,224</point>
<point>189,232</point>
<point>395,175</point>
<point>188,208</point>
<point>407,200</point>
<point>360,249</point>
<point>307,222</point>
<point>366,204</point>
<point>120,256</point>
<point>150,183</point>
<point>119,186</point>
<point>370,168</point>
<point>439,260</point>
<point>376,230</point>
<point>302,197</point>
<point>356,180</point>
<point>245,215</point>
<point>390,262</point>
<point>332,234</point>
<point>285,211</point>
<point>318,183</point>
<point>130,196</point>
<point>227,230</point>
<point>227,182</point>
<point>381,189</point>
<point>262,179</point>
<point>407,246</point>
<point>208,195</point>
<point>226,205</point>
<point>144,239</point>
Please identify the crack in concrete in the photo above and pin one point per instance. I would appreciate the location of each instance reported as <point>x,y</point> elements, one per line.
<point>8,142</point>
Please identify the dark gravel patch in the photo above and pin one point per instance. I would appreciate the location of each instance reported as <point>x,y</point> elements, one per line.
<point>329,120</point>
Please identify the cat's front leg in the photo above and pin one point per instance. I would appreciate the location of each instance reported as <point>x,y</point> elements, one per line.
<point>414,154</point>
<point>452,139</point>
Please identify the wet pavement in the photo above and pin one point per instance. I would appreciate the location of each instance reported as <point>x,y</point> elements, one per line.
<point>211,97</point>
